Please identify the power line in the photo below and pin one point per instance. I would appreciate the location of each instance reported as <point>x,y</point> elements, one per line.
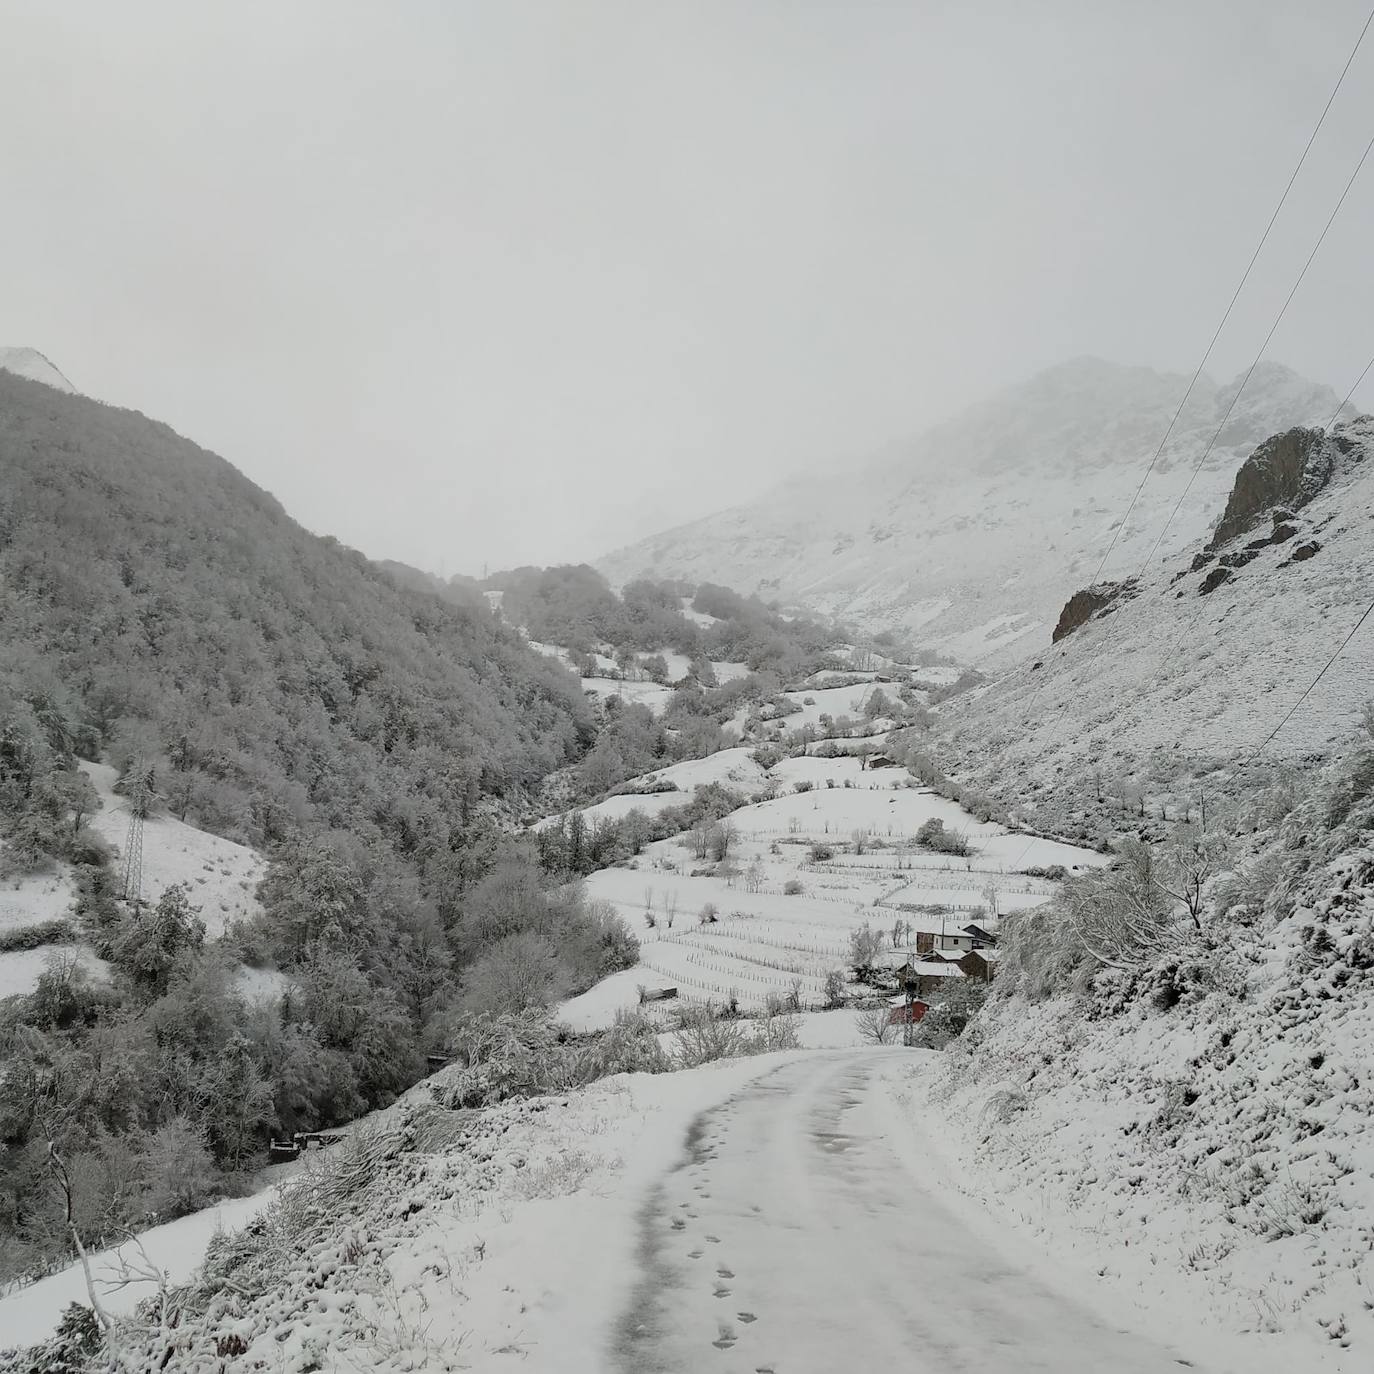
<point>1278,319</point>
<point>1235,296</point>
<point>1311,687</point>
<point>1349,394</point>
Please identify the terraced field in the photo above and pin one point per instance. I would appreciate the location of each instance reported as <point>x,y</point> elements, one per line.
<point>776,917</point>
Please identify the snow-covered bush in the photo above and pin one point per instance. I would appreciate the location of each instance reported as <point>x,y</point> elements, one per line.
<point>933,836</point>
<point>500,1057</point>
<point>701,1037</point>
<point>946,1019</point>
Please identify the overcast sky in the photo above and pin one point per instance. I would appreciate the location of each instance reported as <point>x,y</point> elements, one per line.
<point>506,282</point>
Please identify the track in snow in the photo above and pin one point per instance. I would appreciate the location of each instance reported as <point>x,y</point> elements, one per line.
<point>792,1239</point>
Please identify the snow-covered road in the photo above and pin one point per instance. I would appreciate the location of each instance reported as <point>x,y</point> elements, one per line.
<point>799,1234</point>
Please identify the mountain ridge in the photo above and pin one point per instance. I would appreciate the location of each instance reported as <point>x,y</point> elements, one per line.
<point>944,542</point>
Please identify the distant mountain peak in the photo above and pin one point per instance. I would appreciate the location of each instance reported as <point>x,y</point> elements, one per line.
<point>30,363</point>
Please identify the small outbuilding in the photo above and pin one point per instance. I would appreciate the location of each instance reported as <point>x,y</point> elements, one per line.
<point>904,1013</point>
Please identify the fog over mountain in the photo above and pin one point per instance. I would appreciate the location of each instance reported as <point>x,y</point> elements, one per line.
<point>971,536</point>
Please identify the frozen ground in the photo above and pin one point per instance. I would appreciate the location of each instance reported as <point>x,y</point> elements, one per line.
<point>759,1214</point>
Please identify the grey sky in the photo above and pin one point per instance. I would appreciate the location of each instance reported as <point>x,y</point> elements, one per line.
<point>519,282</point>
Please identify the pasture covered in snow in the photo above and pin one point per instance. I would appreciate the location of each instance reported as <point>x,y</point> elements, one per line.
<point>804,870</point>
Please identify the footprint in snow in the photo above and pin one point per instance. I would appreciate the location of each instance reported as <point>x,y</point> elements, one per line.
<point>746,1317</point>
<point>725,1273</point>
<point>715,1240</point>
<point>720,1291</point>
<point>678,1224</point>
<point>695,1254</point>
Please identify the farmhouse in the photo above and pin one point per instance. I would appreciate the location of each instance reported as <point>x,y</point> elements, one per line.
<point>967,938</point>
<point>980,964</point>
<point>927,976</point>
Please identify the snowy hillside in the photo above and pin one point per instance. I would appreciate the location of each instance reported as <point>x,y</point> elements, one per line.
<point>1198,667</point>
<point>977,532</point>
<point>29,362</point>
<point>1189,1109</point>
<point>220,877</point>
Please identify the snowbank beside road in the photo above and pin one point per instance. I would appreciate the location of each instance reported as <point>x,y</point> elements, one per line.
<point>506,1232</point>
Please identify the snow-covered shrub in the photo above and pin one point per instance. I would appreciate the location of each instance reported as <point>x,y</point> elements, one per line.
<point>1353,785</point>
<point>933,836</point>
<point>72,1349</point>
<point>702,1038</point>
<point>631,1045</point>
<point>777,1031</point>
<point>265,1254</point>
<point>54,932</point>
<point>947,1019</point>
<point>1002,1103</point>
<point>496,1057</point>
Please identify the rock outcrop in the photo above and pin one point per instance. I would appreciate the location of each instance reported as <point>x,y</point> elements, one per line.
<point>1091,601</point>
<point>1282,475</point>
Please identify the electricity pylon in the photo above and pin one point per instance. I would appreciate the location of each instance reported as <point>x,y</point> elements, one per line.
<point>140,801</point>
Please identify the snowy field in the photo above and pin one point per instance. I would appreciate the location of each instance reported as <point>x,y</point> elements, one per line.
<point>650,694</point>
<point>784,919</point>
<point>732,768</point>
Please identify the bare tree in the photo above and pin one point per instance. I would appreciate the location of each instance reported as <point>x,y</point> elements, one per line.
<point>670,907</point>
<point>990,896</point>
<point>874,1025</point>
<point>865,945</point>
<point>753,876</point>
<point>1192,857</point>
<point>1121,915</point>
<point>834,988</point>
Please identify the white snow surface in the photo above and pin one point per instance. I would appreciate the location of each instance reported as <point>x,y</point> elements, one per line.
<point>30,363</point>
<point>972,536</point>
<point>766,938</point>
<point>1173,680</point>
<point>31,1314</point>
<point>766,1213</point>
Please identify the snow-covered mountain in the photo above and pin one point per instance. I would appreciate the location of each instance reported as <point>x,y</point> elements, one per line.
<point>1190,670</point>
<point>29,362</point>
<point>973,535</point>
